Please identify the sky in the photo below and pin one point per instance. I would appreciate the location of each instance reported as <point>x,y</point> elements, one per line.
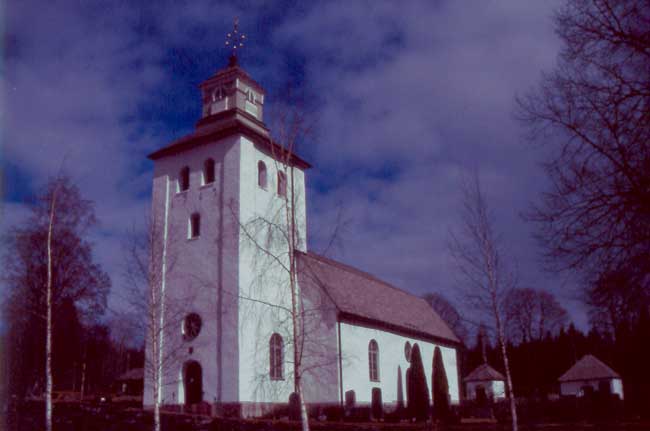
<point>407,97</point>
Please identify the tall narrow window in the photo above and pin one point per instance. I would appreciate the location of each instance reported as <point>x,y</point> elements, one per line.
<point>184,179</point>
<point>373,360</point>
<point>282,184</point>
<point>276,357</point>
<point>217,94</point>
<point>261,174</point>
<point>195,225</point>
<point>208,171</point>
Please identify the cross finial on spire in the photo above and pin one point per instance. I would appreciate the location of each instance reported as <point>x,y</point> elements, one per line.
<point>235,41</point>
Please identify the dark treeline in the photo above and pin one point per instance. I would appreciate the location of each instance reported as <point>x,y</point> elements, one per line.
<point>82,355</point>
<point>537,365</point>
<point>50,274</point>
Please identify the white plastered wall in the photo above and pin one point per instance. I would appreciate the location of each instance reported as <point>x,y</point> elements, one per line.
<point>265,295</point>
<point>200,272</point>
<point>354,347</point>
<point>493,388</point>
<point>576,388</point>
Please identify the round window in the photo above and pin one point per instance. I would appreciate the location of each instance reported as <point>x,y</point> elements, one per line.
<point>191,326</point>
<point>407,351</point>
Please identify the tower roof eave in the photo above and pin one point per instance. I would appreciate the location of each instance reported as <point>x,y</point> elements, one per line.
<point>232,72</point>
<point>224,124</point>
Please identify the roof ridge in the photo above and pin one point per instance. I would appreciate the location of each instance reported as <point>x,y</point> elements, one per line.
<point>382,303</point>
<point>595,358</point>
<point>357,271</point>
<point>484,372</point>
<point>585,361</point>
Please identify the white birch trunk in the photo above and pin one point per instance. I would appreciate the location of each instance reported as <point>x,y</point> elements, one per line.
<point>506,365</point>
<point>156,381</point>
<point>83,379</point>
<point>158,315</point>
<point>155,354</point>
<point>48,336</point>
<point>154,338</point>
<point>156,412</point>
<point>481,261</point>
<point>297,353</point>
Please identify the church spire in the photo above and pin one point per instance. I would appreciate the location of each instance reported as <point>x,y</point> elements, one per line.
<point>231,91</point>
<point>234,40</point>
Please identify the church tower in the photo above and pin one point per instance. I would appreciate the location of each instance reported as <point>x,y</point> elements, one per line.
<point>218,220</point>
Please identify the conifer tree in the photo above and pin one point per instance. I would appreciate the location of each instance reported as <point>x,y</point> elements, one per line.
<point>439,387</point>
<point>418,399</point>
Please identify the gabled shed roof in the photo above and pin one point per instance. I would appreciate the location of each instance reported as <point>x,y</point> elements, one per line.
<point>589,367</point>
<point>361,296</point>
<point>484,373</point>
<point>132,374</point>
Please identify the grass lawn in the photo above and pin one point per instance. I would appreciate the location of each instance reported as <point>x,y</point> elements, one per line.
<point>109,418</point>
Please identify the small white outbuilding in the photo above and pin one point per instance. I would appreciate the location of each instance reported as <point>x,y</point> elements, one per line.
<point>590,374</point>
<point>485,383</point>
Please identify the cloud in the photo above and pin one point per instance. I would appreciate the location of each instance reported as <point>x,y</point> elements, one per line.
<point>425,92</point>
<point>409,95</point>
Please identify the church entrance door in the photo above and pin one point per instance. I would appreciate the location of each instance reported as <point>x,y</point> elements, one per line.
<point>193,381</point>
<point>481,395</point>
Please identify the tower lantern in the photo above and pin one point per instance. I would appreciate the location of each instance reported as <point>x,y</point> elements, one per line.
<point>231,88</point>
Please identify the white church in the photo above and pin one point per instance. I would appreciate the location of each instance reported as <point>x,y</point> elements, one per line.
<point>222,266</point>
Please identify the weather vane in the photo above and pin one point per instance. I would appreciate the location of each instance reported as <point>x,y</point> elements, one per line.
<point>235,39</point>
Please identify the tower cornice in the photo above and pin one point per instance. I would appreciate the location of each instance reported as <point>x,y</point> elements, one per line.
<point>231,73</point>
<point>224,124</point>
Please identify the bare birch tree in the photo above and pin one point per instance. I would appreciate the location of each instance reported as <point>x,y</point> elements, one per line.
<point>483,273</point>
<point>279,251</point>
<point>277,237</point>
<point>291,129</point>
<point>301,318</point>
<point>49,263</point>
<point>149,310</point>
<point>143,272</point>
<point>48,324</point>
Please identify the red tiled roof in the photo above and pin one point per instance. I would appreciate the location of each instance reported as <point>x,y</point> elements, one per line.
<point>360,295</point>
<point>484,373</point>
<point>589,367</point>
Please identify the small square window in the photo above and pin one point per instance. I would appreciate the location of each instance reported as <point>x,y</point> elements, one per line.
<point>261,174</point>
<point>282,184</point>
<point>184,179</point>
<point>208,172</point>
<point>276,357</point>
<point>194,226</point>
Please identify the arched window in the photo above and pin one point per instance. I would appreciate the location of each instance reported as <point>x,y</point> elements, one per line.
<point>208,171</point>
<point>217,94</point>
<point>373,360</point>
<point>261,174</point>
<point>282,184</point>
<point>184,179</point>
<point>276,357</point>
<point>195,225</point>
